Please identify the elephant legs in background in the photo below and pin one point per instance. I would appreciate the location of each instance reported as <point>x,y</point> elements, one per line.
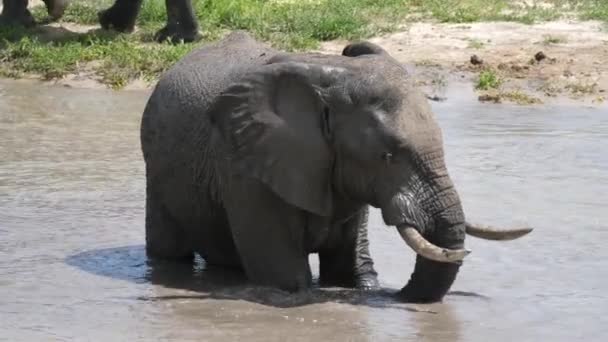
<point>120,16</point>
<point>56,8</point>
<point>181,21</point>
<point>15,12</point>
<point>347,262</point>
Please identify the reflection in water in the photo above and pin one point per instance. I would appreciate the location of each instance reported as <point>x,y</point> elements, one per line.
<point>73,267</point>
<point>129,263</point>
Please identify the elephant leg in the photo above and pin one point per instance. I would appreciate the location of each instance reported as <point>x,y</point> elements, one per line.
<point>181,23</point>
<point>15,12</point>
<point>269,236</point>
<point>120,16</point>
<point>212,238</point>
<point>55,8</point>
<point>347,262</point>
<point>165,237</point>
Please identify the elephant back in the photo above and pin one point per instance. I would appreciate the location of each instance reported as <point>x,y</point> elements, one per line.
<point>175,123</point>
<point>202,74</point>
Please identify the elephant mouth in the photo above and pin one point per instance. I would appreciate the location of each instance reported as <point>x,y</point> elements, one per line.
<point>423,247</point>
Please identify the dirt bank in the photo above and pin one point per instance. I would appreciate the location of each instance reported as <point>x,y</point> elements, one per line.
<point>575,63</point>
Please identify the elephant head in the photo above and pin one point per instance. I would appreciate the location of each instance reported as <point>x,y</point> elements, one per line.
<point>315,128</point>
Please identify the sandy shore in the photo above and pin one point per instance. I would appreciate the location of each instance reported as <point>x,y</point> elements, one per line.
<point>575,63</point>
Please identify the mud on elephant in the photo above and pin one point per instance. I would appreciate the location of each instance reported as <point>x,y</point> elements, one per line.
<point>181,21</point>
<point>256,159</point>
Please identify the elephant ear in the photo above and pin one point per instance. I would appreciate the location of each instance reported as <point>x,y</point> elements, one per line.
<point>276,125</point>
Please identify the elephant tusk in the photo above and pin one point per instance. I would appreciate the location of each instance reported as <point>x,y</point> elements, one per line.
<point>490,233</point>
<point>428,250</point>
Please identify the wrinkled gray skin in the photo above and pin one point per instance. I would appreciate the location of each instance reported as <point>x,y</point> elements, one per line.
<point>121,16</point>
<point>256,158</point>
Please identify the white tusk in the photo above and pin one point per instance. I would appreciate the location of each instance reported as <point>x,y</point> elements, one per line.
<point>428,250</point>
<point>490,233</point>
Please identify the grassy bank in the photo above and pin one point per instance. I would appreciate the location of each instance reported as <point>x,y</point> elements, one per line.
<point>286,24</point>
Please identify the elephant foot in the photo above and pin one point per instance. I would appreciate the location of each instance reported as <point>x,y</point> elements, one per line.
<point>56,8</point>
<point>367,282</point>
<point>111,19</point>
<point>176,34</point>
<point>24,19</point>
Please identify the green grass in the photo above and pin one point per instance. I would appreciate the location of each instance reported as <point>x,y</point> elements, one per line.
<point>289,25</point>
<point>456,11</point>
<point>286,24</point>
<point>115,59</point>
<point>595,9</point>
<point>465,11</point>
<point>78,11</point>
<point>488,80</point>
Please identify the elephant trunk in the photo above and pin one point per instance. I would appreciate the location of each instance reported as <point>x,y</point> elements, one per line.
<point>429,216</point>
<point>439,241</point>
<point>429,282</point>
<point>430,219</point>
<point>432,278</point>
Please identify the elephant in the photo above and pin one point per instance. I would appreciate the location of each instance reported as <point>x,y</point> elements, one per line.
<point>257,158</point>
<point>181,24</point>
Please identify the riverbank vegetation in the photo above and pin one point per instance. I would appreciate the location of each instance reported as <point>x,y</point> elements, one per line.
<point>75,45</point>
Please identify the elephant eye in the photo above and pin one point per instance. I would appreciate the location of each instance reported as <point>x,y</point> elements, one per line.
<point>387,157</point>
<point>375,101</point>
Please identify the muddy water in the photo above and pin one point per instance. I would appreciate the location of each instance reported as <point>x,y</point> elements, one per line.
<point>72,263</point>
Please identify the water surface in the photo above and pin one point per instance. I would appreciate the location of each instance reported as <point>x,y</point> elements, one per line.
<point>73,267</point>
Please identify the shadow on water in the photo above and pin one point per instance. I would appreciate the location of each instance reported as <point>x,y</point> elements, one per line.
<point>129,263</point>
